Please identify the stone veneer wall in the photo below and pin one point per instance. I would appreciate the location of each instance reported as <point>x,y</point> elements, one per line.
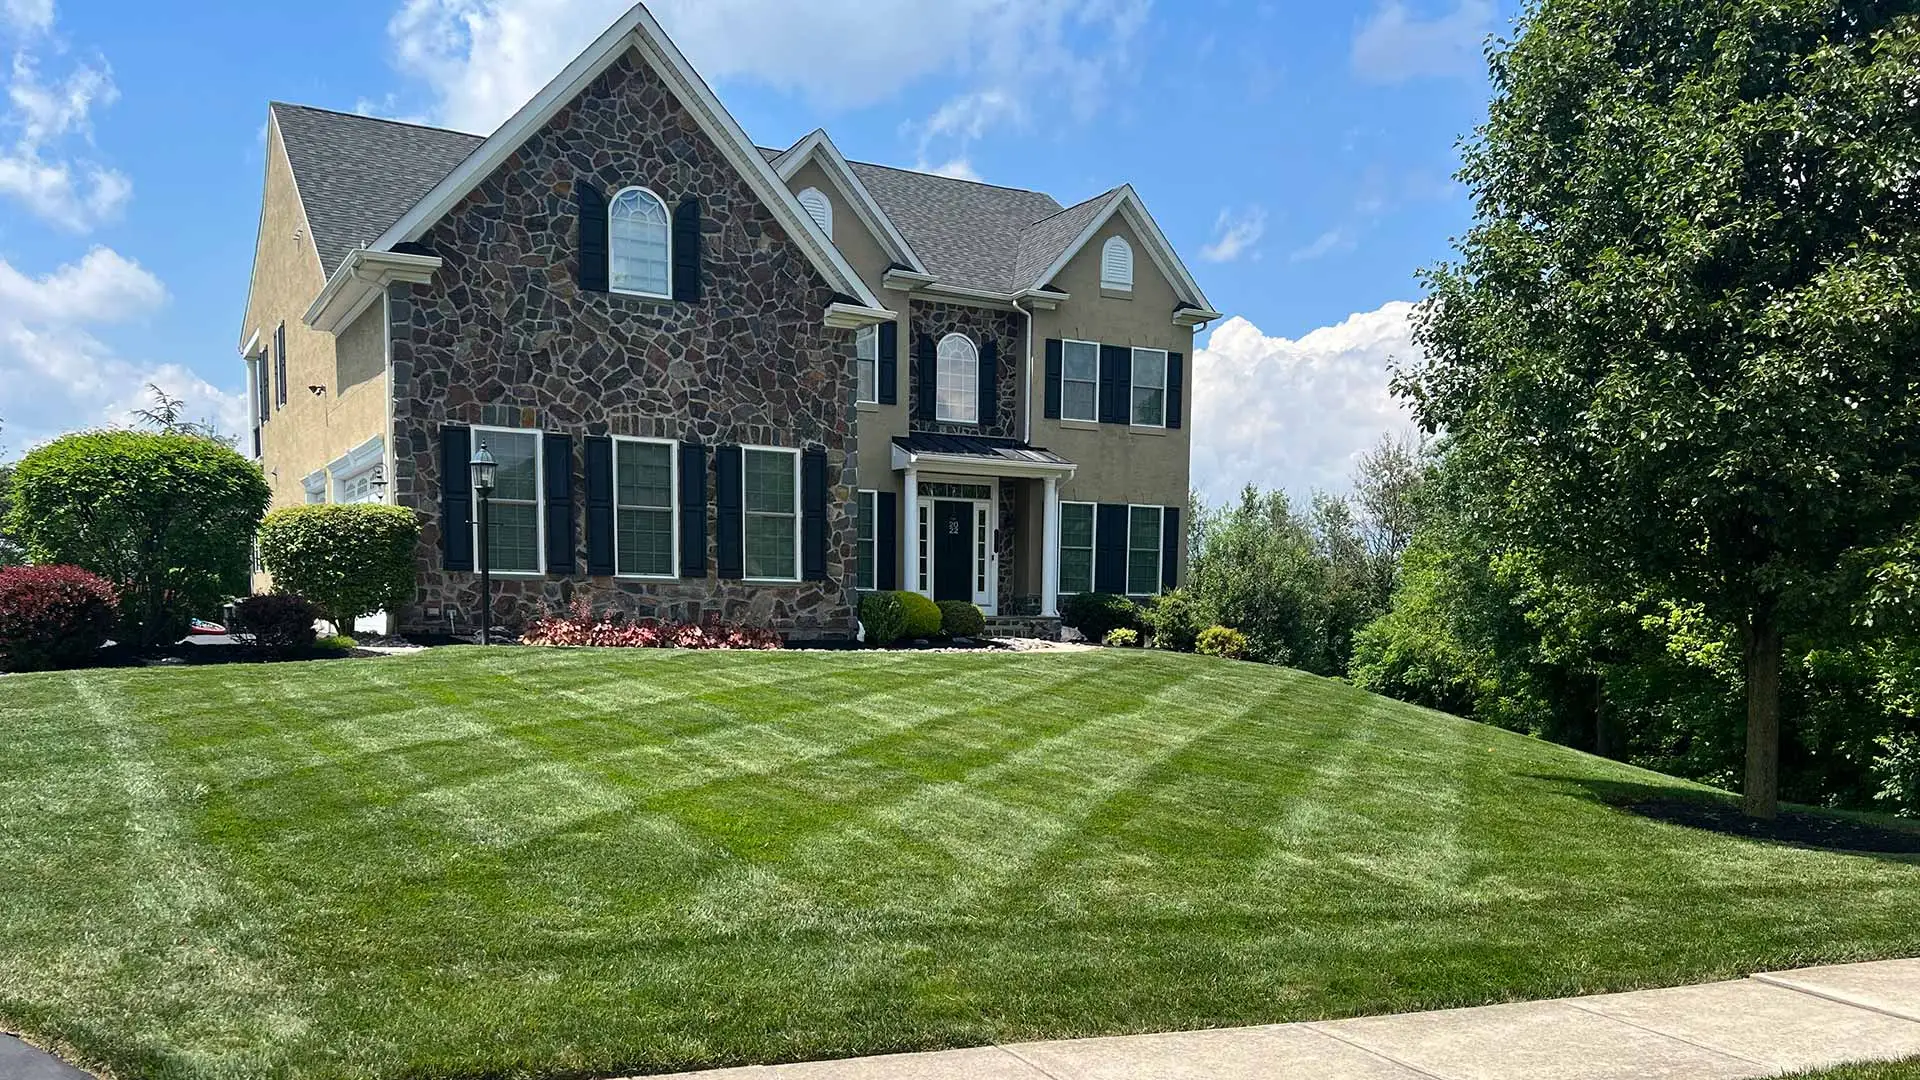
<point>1003,328</point>
<point>505,336</point>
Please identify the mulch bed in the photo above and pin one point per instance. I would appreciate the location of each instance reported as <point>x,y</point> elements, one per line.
<point>1791,827</point>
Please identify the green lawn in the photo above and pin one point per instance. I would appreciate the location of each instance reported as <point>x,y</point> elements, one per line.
<point>537,863</point>
<point>1891,1070</point>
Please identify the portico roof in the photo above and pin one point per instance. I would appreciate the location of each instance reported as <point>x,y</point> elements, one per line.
<point>982,454</point>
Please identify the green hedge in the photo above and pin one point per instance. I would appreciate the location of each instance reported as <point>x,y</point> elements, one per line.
<point>884,617</point>
<point>351,560</point>
<point>958,618</point>
<point>167,519</point>
<point>923,615</point>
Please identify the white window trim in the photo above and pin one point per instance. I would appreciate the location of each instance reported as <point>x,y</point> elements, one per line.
<point>1132,357</point>
<point>868,333</point>
<point>540,501</point>
<point>673,506</point>
<point>866,495</point>
<point>665,210</point>
<point>799,524</point>
<point>1159,549</point>
<point>1095,418</point>
<point>940,366</point>
<point>1093,551</point>
<point>315,483</point>
<point>1107,250</point>
<point>824,219</point>
<point>356,463</point>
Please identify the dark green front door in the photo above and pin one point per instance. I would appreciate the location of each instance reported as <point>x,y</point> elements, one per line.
<point>952,550</point>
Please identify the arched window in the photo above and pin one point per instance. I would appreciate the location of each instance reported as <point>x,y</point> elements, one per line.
<point>1116,264</point>
<point>958,401</point>
<point>639,244</point>
<point>819,208</point>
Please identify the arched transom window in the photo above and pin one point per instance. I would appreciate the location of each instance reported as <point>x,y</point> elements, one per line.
<point>639,244</point>
<point>1116,264</point>
<point>819,208</point>
<point>959,394</point>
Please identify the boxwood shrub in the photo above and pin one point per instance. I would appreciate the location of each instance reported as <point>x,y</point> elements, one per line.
<point>352,560</point>
<point>1224,642</point>
<point>52,617</point>
<point>923,615</point>
<point>958,618</point>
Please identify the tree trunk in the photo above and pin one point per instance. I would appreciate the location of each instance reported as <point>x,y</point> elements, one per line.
<point>1764,649</point>
<point>1608,739</point>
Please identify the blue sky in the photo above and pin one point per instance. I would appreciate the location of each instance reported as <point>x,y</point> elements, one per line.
<point>1298,154</point>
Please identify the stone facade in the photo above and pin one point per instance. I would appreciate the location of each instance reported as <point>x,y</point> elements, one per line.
<point>1004,329</point>
<point>504,333</point>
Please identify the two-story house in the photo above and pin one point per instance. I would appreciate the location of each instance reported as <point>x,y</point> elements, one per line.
<point>719,380</point>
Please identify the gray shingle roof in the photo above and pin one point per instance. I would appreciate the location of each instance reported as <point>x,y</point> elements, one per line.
<point>358,174</point>
<point>968,234</point>
<point>1043,241</point>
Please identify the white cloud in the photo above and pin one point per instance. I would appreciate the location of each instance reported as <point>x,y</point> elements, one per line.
<point>44,167</point>
<point>55,375</point>
<point>958,168</point>
<point>28,16</point>
<point>1234,234</point>
<point>1396,45</point>
<point>1323,245</point>
<point>1295,415</point>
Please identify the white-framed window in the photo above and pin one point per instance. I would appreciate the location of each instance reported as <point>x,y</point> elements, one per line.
<point>315,485</point>
<point>646,479</point>
<point>819,208</point>
<point>1116,264</point>
<point>516,512</point>
<point>866,363</point>
<point>1149,388</point>
<point>770,478</point>
<point>353,472</point>
<point>357,488</point>
<point>1144,534</point>
<point>639,244</point>
<point>867,543</point>
<point>1076,547</point>
<point>958,399</point>
<point>1079,380</point>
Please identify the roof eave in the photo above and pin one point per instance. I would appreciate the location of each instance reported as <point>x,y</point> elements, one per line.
<point>363,276</point>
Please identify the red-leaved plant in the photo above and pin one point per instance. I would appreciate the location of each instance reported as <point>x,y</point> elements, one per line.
<point>53,616</point>
<point>581,627</point>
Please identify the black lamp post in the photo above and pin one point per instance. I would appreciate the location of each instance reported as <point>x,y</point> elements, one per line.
<point>482,469</point>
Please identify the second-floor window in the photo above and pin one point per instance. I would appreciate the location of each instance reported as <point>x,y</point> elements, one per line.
<point>1080,381</point>
<point>866,363</point>
<point>1149,388</point>
<point>958,400</point>
<point>639,244</point>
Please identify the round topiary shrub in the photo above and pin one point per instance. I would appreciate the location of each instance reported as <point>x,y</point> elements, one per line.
<point>1174,620</point>
<point>1224,642</point>
<point>884,617</point>
<point>923,615</point>
<point>1121,638</point>
<point>352,559</point>
<point>277,622</point>
<point>53,617</point>
<point>168,519</point>
<point>958,619</point>
<point>1096,615</point>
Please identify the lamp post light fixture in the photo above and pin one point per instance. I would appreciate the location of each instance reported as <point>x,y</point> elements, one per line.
<point>482,468</point>
<point>378,482</point>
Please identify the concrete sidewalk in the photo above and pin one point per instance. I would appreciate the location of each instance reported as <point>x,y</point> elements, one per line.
<point>1758,1027</point>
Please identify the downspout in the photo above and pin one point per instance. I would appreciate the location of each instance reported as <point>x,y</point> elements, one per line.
<point>1026,390</point>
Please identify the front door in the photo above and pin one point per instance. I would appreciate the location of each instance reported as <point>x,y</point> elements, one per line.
<point>952,550</point>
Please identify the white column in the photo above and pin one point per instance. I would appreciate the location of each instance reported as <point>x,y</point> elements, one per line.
<point>1050,551</point>
<point>910,535</point>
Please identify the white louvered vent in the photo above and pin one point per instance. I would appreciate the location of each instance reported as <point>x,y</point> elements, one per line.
<point>817,206</point>
<point>1116,264</point>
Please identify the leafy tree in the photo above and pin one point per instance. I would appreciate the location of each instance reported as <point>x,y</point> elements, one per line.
<point>1680,335</point>
<point>168,519</point>
<point>1388,482</point>
<point>11,552</point>
<point>351,560</point>
<point>168,414</point>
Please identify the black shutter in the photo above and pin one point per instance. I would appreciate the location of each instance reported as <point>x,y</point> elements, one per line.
<point>888,372</point>
<point>729,499</point>
<point>561,540</point>
<point>1055,371</point>
<point>1170,548</point>
<point>693,510</point>
<point>926,378</point>
<point>1116,384</point>
<point>686,251</point>
<point>813,514</point>
<point>1110,549</point>
<point>591,205</point>
<point>280,365</point>
<point>886,540</point>
<point>456,498</point>
<point>989,382</point>
<point>600,560</point>
<point>1176,393</point>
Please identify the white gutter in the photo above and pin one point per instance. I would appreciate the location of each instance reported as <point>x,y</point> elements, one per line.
<point>363,277</point>
<point>853,316</point>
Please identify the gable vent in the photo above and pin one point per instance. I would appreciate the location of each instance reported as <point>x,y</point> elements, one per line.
<point>1116,264</point>
<point>818,208</point>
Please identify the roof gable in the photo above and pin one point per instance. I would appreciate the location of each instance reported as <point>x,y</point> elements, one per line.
<point>1126,201</point>
<point>818,147</point>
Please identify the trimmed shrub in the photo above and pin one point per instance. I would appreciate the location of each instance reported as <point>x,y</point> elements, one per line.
<point>336,642</point>
<point>52,617</point>
<point>580,627</point>
<point>958,618</point>
<point>167,519</point>
<point>1224,642</point>
<point>923,615</point>
<point>352,560</point>
<point>280,622</point>
<point>1121,638</point>
<point>884,616</point>
<point>1174,620</point>
<point>1096,615</point>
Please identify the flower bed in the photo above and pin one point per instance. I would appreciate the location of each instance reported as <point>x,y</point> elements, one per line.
<point>581,627</point>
